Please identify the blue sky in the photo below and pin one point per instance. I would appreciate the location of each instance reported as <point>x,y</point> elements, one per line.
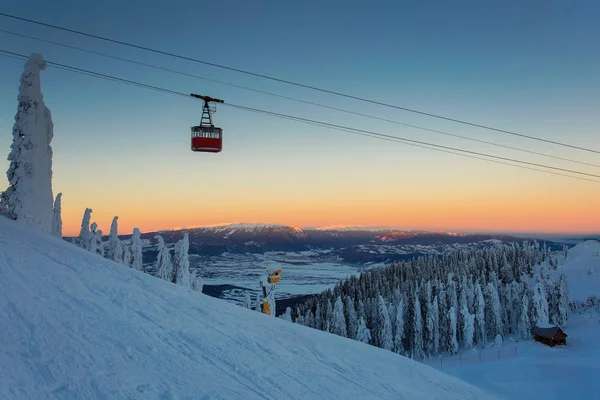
<point>529,67</point>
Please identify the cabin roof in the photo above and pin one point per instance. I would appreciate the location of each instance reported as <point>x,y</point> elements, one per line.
<point>547,332</point>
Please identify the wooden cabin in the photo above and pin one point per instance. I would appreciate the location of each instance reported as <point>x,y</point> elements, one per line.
<point>549,335</point>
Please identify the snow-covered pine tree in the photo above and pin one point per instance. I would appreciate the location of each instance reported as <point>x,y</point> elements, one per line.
<point>127,255</point>
<point>28,197</point>
<point>328,318</point>
<point>524,329</point>
<point>480,315</point>
<point>399,328</point>
<point>384,327</point>
<point>136,250</point>
<point>351,317</point>
<point>339,320</point>
<point>287,316</point>
<point>247,301</point>
<point>84,231</point>
<point>417,328</point>
<point>182,262</point>
<point>164,264</point>
<point>197,281</point>
<point>493,310</point>
<point>363,334</point>
<point>540,304</point>
<point>99,243</point>
<point>453,343</point>
<point>436,326</point>
<point>92,244</point>
<point>468,321</point>
<point>57,218</point>
<point>563,301</point>
<point>429,321</point>
<point>114,250</point>
<point>318,318</point>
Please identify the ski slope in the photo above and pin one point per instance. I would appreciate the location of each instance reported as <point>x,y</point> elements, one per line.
<point>576,267</point>
<point>77,326</point>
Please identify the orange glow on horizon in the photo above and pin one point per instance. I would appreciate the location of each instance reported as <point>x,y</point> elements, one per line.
<point>552,214</point>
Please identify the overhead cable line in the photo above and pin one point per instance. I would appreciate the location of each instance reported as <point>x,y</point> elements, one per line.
<point>364,99</point>
<point>447,149</point>
<point>296,99</point>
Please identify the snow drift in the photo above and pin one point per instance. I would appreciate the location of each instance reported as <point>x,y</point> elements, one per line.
<point>78,326</point>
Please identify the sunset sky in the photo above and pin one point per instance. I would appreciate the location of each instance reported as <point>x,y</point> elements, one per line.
<point>529,67</point>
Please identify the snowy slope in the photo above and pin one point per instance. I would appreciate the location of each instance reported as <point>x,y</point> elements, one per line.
<point>77,326</point>
<point>576,267</point>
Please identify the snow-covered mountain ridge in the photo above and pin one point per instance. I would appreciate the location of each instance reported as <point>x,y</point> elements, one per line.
<point>78,326</point>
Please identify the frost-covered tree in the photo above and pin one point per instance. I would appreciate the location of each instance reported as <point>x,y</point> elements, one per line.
<point>524,329</point>
<point>329,316</point>
<point>417,329</point>
<point>453,343</point>
<point>480,314</point>
<point>563,301</point>
<point>540,304</point>
<point>28,197</point>
<point>136,250</point>
<point>99,243</point>
<point>339,320</point>
<point>57,218</point>
<point>94,244</point>
<point>436,326</point>
<point>363,334</point>
<point>197,281</point>
<point>319,318</point>
<point>247,301</point>
<point>164,264</point>
<point>468,321</point>
<point>182,262</point>
<point>287,316</point>
<point>399,328</point>
<point>127,255</point>
<point>84,231</point>
<point>494,310</point>
<point>114,250</point>
<point>352,318</point>
<point>385,338</point>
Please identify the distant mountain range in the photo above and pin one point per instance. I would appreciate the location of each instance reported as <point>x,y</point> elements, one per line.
<point>353,244</point>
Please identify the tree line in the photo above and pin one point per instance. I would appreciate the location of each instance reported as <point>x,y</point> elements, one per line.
<point>445,303</point>
<point>170,265</point>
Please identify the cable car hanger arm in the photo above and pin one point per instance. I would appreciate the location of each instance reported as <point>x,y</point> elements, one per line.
<point>206,98</point>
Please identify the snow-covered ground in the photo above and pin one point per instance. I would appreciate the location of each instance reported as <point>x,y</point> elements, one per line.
<point>77,326</point>
<point>536,371</point>
<point>530,370</point>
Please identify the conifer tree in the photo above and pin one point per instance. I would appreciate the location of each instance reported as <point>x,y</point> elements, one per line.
<point>57,219</point>
<point>28,197</point>
<point>384,326</point>
<point>363,334</point>
<point>399,328</point>
<point>136,250</point>
<point>84,232</point>
<point>182,262</point>
<point>164,264</point>
<point>351,317</point>
<point>339,321</point>
<point>115,249</point>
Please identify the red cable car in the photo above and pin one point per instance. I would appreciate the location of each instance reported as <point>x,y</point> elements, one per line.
<point>206,137</point>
